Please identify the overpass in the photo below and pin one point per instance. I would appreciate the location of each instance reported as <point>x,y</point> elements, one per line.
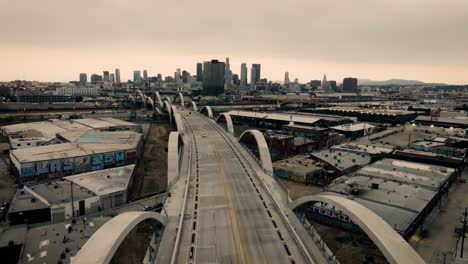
<point>224,206</point>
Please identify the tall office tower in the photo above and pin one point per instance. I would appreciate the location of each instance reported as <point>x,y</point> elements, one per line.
<point>333,86</point>
<point>177,75</point>
<point>117,75</point>
<point>244,74</point>
<point>235,79</point>
<point>213,77</point>
<point>185,76</point>
<point>112,77</point>
<point>349,85</point>
<point>325,84</point>
<point>159,77</point>
<point>136,76</point>
<point>255,73</point>
<point>145,75</point>
<point>199,72</point>
<point>83,78</point>
<point>315,83</point>
<point>286,78</point>
<point>228,77</point>
<point>96,78</point>
<point>105,76</point>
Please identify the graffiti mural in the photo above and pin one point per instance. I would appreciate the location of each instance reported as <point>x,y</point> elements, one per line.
<point>82,164</point>
<point>97,163</point>
<point>53,169</point>
<point>120,159</point>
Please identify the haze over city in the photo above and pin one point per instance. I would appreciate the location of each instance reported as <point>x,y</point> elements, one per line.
<point>52,40</point>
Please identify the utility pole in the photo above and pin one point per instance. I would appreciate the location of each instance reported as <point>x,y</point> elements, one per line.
<point>463,232</point>
<point>72,202</point>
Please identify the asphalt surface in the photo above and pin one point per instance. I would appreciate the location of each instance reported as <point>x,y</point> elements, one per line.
<point>229,217</point>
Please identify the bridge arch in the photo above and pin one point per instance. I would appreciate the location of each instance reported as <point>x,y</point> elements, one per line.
<point>150,102</point>
<point>168,108</point>
<point>143,97</point>
<point>227,118</point>
<point>208,111</point>
<point>132,98</point>
<point>158,98</point>
<point>174,153</point>
<point>263,150</point>
<point>181,96</point>
<point>392,245</point>
<point>103,244</point>
<point>193,105</point>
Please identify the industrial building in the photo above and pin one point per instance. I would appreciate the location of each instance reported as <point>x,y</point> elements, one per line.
<point>354,130</point>
<point>301,168</point>
<point>278,120</point>
<point>36,133</point>
<point>74,153</point>
<point>368,148</point>
<point>450,122</point>
<point>402,193</point>
<point>54,243</point>
<point>74,196</point>
<point>338,163</point>
<point>368,115</point>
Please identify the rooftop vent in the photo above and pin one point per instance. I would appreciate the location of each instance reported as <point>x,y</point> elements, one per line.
<point>33,200</point>
<point>374,186</point>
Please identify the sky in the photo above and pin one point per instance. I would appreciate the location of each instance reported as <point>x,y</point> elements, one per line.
<point>55,40</point>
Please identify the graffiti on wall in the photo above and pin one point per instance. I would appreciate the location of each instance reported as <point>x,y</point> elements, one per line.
<point>54,169</point>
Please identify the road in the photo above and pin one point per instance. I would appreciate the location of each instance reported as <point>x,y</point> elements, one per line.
<point>229,217</point>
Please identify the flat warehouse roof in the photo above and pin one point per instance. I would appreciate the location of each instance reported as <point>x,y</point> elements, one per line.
<point>104,181</point>
<point>277,116</point>
<point>424,175</point>
<point>101,123</point>
<point>65,150</point>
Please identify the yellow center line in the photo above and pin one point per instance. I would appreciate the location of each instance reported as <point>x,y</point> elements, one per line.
<point>232,213</point>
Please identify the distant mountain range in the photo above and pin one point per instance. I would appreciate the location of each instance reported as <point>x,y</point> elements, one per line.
<point>395,82</point>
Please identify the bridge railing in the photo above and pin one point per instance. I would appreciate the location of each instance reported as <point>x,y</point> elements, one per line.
<point>331,258</point>
<point>283,187</point>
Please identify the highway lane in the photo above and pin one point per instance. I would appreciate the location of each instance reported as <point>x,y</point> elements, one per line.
<point>233,220</point>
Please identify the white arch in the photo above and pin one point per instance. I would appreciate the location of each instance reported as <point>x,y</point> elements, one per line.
<point>143,97</point>
<point>158,97</point>
<point>168,108</point>
<point>229,124</point>
<point>263,150</point>
<point>208,109</point>
<point>150,101</point>
<point>181,96</point>
<point>103,244</point>
<point>132,98</point>
<point>173,156</point>
<point>392,245</point>
<point>193,104</point>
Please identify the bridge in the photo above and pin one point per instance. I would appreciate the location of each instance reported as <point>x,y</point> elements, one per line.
<point>225,207</point>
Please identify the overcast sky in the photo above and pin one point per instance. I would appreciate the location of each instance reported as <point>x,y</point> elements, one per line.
<point>55,40</point>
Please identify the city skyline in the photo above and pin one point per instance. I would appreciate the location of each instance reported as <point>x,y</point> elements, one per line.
<point>52,41</point>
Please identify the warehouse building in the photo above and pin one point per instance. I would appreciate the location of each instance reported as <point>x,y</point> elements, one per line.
<point>38,133</point>
<point>368,115</point>
<point>402,193</point>
<point>301,168</point>
<point>338,163</point>
<point>73,196</point>
<point>82,152</point>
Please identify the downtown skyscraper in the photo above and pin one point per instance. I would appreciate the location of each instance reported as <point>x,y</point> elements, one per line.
<point>213,78</point>
<point>243,74</point>
<point>255,73</point>
<point>199,72</point>
<point>117,75</point>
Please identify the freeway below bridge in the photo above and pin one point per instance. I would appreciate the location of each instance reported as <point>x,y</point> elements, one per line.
<point>232,212</point>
